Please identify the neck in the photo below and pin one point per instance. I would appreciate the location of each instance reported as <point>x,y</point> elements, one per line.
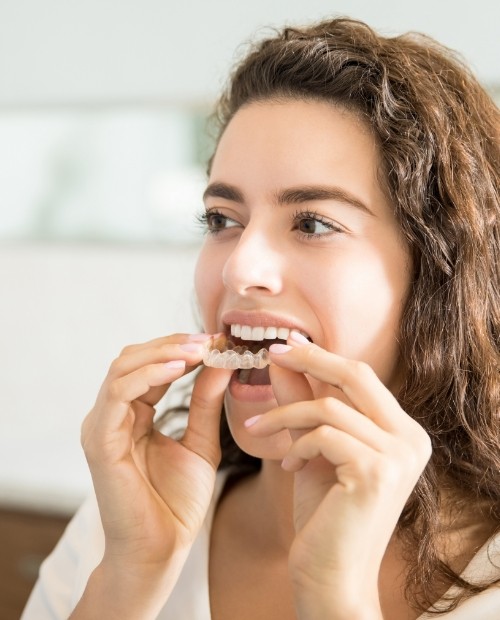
<point>275,487</point>
<point>266,502</point>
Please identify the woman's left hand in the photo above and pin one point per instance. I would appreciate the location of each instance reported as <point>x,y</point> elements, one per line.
<point>355,466</point>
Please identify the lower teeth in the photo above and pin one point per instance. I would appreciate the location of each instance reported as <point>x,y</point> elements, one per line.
<point>244,375</point>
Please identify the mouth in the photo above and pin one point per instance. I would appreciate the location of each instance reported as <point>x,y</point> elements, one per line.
<point>245,349</point>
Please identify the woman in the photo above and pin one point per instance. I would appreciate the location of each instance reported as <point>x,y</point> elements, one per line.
<point>351,209</point>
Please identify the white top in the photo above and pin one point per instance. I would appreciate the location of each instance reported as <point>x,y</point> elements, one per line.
<point>65,572</point>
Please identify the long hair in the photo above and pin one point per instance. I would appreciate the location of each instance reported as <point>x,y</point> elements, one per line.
<point>438,135</point>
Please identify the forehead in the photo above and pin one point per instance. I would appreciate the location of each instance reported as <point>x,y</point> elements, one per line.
<point>273,145</point>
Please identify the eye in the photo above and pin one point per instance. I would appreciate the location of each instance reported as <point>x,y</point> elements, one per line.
<point>310,224</point>
<point>213,221</point>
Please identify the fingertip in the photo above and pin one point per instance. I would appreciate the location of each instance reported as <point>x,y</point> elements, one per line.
<point>175,364</point>
<point>292,464</point>
<point>279,348</point>
<point>200,338</point>
<point>298,339</point>
<point>252,421</point>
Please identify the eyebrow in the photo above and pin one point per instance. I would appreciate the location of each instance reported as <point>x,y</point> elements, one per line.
<point>290,196</point>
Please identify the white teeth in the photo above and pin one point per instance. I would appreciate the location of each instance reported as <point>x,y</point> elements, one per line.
<point>246,332</point>
<point>271,333</point>
<point>258,333</point>
<point>283,333</point>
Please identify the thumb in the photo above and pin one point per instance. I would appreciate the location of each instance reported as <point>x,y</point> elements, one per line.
<point>202,432</point>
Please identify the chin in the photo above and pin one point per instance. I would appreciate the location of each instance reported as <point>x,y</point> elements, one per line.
<point>274,447</point>
<point>267,448</point>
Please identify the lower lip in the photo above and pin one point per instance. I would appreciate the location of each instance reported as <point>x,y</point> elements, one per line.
<point>249,393</point>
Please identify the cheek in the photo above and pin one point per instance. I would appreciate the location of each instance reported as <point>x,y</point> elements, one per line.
<point>207,284</point>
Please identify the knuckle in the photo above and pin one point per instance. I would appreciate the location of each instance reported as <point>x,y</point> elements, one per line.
<point>127,350</point>
<point>116,366</point>
<point>165,349</point>
<point>357,369</point>
<point>86,440</point>
<point>324,432</point>
<point>176,338</point>
<point>84,432</point>
<point>405,456</point>
<point>421,442</point>
<point>384,473</point>
<point>330,407</point>
<point>411,459</point>
<point>115,389</point>
<point>310,355</point>
<point>200,402</point>
<point>424,446</point>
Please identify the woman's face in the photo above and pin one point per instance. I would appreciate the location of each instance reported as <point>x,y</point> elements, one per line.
<point>301,235</point>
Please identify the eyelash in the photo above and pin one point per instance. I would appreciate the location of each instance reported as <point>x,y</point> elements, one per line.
<point>315,216</point>
<point>204,219</point>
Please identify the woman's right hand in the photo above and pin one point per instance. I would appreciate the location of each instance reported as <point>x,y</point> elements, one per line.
<point>153,492</point>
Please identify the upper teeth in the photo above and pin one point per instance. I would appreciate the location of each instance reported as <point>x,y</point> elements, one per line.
<point>246,332</point>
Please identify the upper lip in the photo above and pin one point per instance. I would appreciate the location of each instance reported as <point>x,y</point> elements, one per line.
<point>259,318</point>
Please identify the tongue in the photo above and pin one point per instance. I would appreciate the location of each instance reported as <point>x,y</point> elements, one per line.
<point>255,376</point>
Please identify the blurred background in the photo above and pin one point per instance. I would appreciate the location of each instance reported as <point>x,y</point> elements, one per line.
<point>103,143</point>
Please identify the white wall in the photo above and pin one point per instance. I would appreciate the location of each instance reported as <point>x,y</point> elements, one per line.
<point>65,314</point>
<point>54,51</point>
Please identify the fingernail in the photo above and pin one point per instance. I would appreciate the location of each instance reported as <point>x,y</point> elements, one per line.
<point>298,338</point>
<point>251,421</point>
<point>280,348</point>
<point>190,347</point>
<point>175,364</point>
<point>199,337</point>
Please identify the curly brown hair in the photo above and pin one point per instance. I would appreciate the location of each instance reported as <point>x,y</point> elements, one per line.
<point>438,133</point>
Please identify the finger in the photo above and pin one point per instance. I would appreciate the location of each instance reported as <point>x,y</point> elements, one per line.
<point>143,419</point>
<point>289,386</point>
<point>356,379</point>
<point>202,432</point>
<point>306,415</point>
<point>335,446</point>
<point>133,358</point>
<point>119,393</point>
<point>170,339</point>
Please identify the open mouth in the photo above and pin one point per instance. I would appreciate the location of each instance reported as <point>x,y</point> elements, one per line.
<point>246,350</point>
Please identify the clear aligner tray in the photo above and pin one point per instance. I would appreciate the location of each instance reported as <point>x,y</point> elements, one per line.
<point>223,353</point>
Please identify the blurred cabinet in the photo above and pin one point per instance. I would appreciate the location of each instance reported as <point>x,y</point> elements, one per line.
<point>26,538</point>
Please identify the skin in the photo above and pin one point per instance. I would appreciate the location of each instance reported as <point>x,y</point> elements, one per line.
<point>347,286</point>
<point>340,456</point>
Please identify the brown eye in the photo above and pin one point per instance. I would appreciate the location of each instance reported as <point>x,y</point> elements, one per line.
<point>216,221</point>
<point>308,226</point>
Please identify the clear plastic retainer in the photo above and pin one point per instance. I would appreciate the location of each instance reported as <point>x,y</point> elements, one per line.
<point>235,357</point>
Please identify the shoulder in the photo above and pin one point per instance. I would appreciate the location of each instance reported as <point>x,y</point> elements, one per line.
<point>483,568</point>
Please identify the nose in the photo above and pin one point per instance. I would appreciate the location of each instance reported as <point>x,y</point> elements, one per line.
<point>255,265</point>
